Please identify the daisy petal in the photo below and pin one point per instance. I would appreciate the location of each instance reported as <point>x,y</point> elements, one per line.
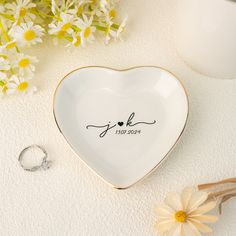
<point>186,196</point>
<point>204,208</point>
<point>164,211</point>
<point>165,225</point>
<point>176,230</point>
<point>190,230</point>
<point>173,200</point>
<point>201,227</point>
<point>204,218</point>
<point>197,199</point>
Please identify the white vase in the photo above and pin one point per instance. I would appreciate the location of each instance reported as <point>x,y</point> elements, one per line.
<point>206,36</point>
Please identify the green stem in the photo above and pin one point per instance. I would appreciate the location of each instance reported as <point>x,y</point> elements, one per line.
<point>99,27</point>
<point>17,49</point>
<point>115,26</point>
<point>75,28</point>
<point>4,33</point>
<point>35,11</point>
<point>103,28</point>
<point>70,39</point>
<point>7,16</point>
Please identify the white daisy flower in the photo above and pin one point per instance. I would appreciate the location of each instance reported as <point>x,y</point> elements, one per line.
<point>27,33</point>
<point>62,6</point>
<point>60,28</point>
<point>25,64</point>
<point>21,10</point>
<point>93,9</point>
<point>120,28</point>
<point>4,64</point>
<point>8,51</point>
<point>111,32</point>
<point>18,84</point>
<point>87,30</point>
<point>8,46</point>
<point>76,40</point>
<point>184,214</point>
<point>108,5</point>
<point>79,7</point>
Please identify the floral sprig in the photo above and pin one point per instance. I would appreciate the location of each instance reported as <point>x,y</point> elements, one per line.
<point>23,23</point>
<point>185,214</point>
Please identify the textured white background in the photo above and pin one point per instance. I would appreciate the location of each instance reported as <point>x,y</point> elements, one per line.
<point>69,199</point>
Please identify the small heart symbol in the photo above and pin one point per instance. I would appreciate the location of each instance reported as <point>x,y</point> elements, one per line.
<point>120,123</point>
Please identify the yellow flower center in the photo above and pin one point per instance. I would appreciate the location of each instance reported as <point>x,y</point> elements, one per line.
<point>22,12</point>
<point>181,216</point>
<point>61,34</point>
<point>78,41</point>
<point>66,26</point>
<point>29,35</point>
<point>24,62</point>
<point>11,45</point>
<point>112,13</point>
<point>22,86</point>
<point>87,32</point>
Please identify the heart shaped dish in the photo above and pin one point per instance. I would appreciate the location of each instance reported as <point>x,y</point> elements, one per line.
<point>121,123</point>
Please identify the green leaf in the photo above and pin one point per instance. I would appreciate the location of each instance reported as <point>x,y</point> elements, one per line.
<point>2,83</point>
<point>7,16</point>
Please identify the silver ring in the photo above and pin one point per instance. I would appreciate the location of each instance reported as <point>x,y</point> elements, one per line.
<point>45,164</point>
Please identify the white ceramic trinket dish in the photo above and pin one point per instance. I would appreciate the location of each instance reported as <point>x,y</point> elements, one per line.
<point>121,123</point>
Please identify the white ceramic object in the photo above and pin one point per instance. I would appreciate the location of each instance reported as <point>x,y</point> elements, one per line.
<point>206,36</point>
<point>121,123</point>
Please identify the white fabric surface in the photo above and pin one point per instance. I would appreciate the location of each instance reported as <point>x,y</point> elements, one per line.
<point>69,199</point>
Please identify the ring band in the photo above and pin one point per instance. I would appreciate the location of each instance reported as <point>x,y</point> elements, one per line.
<point>45,164</point>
